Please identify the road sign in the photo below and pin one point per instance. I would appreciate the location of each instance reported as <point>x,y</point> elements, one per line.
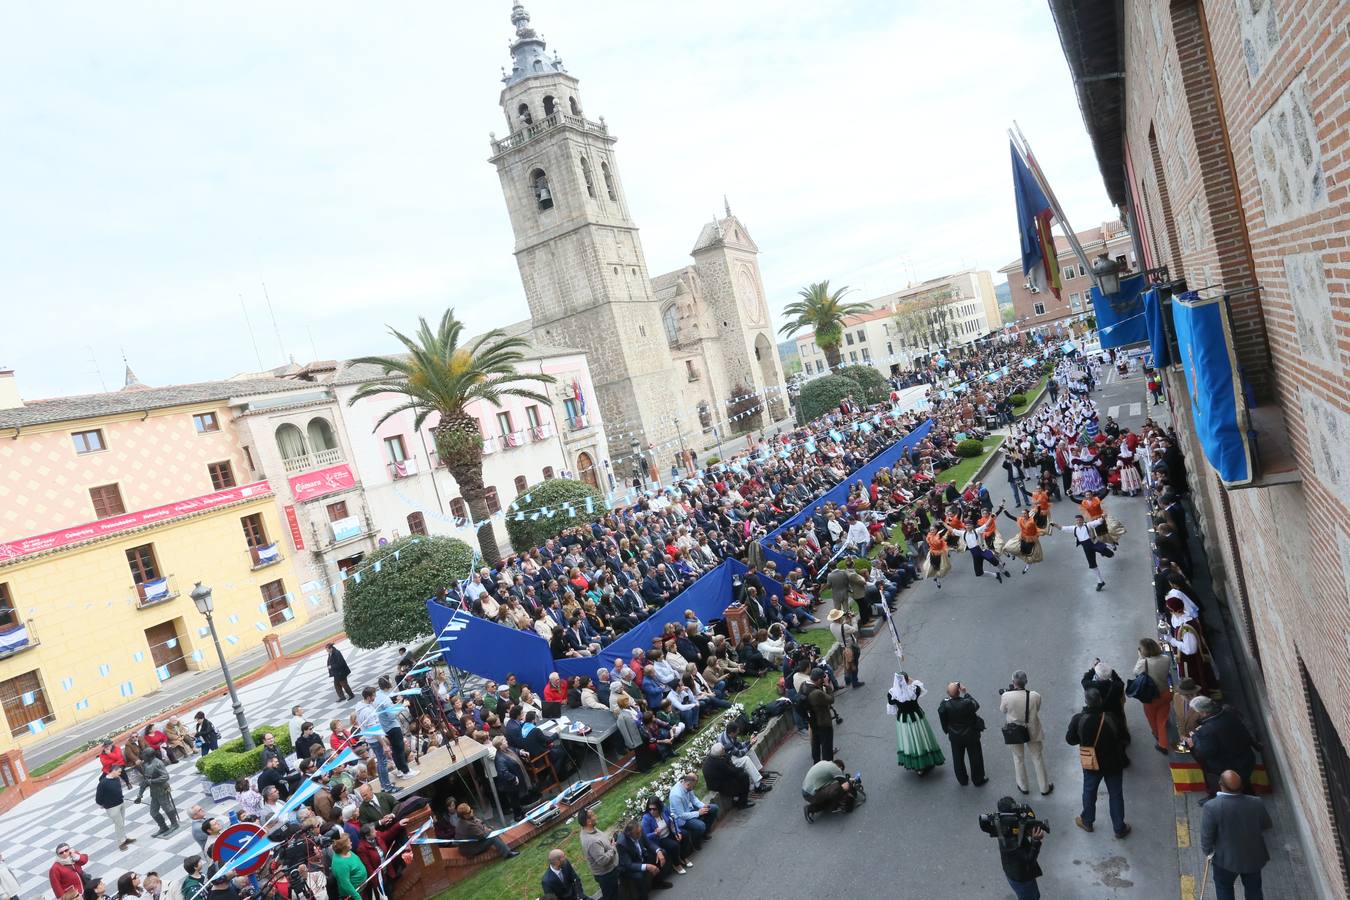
<point>234,842</point>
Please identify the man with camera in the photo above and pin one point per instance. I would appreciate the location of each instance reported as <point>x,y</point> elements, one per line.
<point>828,787</point>
<point>821,716</point>
<point>1019,835</point>
<point>959,716</point>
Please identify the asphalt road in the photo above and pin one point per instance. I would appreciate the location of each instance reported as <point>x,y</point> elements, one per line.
<point>917,837</point>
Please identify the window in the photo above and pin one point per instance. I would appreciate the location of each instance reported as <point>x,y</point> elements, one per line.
<point>248,458</point>
<point>890,351</point>
<point>521,484</point>
<point>205,422</point>
<point>222,475</point>
<point>848,338</point>
<point>670,318</point>
<point>417,523</point>
<point>866,357</point>
<point>107,501</point>
<point>291,441</point>
<point>523,113</point>
<point>9,616</point>
<point>853,356</point>
<point>548,472</point>
<point>820,365</point>
<point>862,336</point>
<point>571,409</point>
<point>539,187</point>
<point>277,603</point>
<point>586,176</point>
<point>395,449</point>
<point>321,436</point>
<point>690,372</point>
<point>1075,302</point>
<point>458,509</point>
<point>609,181</point>
<point>144,566</point>
<point>89,441</point>
<point>532,416</point>
<point>503,423</point>
<point>336,510</point>
<point>572,104</point>
<point>1068,273</point>
<point>1039,308</point>
<point>1124,265</point>
<point>25,702</point>
<point>549,107</point>
<point>490,496</point>
<point>255,535</point>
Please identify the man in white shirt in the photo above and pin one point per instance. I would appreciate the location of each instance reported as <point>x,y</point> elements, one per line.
<point>859,538</point>
<point>369,730</point>
<point>297,719</point>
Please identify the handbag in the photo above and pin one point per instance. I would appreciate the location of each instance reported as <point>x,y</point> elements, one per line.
<point>1087,756</point>
<point>1142,688</point>
<point>1019,732</point>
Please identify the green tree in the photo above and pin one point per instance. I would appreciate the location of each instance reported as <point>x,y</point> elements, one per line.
<point>874,386</point>
<point>824,312</point>
<point>438,375</point>
<point>823,394</point>
<point>390,605</point>
<point>535,527</point>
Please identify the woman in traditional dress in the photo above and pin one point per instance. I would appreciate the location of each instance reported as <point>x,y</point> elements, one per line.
<point>1040,503</point>
<point>918,748</point>
<point>1188,642</point>
<point>1107,528</point>
<point>938,564</point>
<point>1026,544</point>
<point>1130,484</point>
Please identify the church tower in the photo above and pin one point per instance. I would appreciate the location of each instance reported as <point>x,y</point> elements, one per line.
<point>580,257</point>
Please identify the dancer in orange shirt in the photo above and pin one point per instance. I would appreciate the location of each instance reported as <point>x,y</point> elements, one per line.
<point>1026,544</point>
<point>937,565</point>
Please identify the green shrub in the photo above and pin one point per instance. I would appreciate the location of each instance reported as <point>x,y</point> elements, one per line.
<point>970,448</point>
<point>230,761</point>
<point>712,461</point>
<point>822,395</point>
<point>874,386</point>
<point>1018,400</point>
<point>390,606</point>
<point>535,527</point>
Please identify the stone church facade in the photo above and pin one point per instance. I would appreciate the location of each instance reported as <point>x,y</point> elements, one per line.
<point>669,355</point>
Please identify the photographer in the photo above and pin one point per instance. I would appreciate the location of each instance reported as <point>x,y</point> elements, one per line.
<point>828,787</point>
<point>821,717</point>
<point>1019,843</point>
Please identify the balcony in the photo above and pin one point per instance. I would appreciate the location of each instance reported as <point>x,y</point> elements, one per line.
<point>542,431</point>
<point>318,460</point>
<point>403,468</point>
<point>16,638</point>
<point>544,125</point>
<point>154,592</point>
<point>264,556</point>
<point>578,423</point>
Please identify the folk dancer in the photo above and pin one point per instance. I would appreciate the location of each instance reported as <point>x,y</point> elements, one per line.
<point>970,538</point>
<point>1108,529</point>
<point>918,749</point>
<point>1026,544</point>
<point>937,565</point>
<point>1084,536</point>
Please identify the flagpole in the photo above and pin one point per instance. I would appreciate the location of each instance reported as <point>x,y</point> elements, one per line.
<point>1023,149</point>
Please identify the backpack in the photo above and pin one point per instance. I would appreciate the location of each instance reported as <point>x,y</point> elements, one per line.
<point>1142,688</point>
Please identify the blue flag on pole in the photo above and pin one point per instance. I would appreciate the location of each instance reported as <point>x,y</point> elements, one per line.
<point>1204,341</point>
<point>1157,334</point>
<point>1120,316</point>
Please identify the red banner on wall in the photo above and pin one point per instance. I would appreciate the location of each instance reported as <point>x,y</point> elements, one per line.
<point>103,527</point>
<point>297,538</point>
<point>322,482</point>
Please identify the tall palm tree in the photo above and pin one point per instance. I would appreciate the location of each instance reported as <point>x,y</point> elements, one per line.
<point>438,375</point>
<point>825,313</point>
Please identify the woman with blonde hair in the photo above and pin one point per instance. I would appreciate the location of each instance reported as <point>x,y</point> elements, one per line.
<point>1158,667</point>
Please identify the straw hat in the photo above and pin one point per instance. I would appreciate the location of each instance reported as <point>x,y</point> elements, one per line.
<point>1187,687</point>
<point>835,615</point>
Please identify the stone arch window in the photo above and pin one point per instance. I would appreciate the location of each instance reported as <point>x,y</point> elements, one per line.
<point>704,414</point>
<point>670,318</point>
<point>458,509</point>
<point>539,186</point>
<point>539,65</point>
<point>574,106</point>
<point>321,436</point>
<point>609,181</point>
<point>586,176</point>
<point>291,441</point>
<point>521,484</point>
<point>523,113</point>
<point>548,472</point>
<point>550,105</point>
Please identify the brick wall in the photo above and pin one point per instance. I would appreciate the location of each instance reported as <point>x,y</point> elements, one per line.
<point>1246,186</point>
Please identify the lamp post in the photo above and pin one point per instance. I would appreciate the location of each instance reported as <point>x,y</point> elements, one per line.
<point>680,435</point>
<point>1107,272</point>
<point>201,597</point>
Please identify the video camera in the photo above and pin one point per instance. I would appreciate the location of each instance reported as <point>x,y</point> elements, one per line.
<point>1012,824</point>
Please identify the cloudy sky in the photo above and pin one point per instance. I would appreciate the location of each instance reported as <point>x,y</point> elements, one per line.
<point>162,162</point>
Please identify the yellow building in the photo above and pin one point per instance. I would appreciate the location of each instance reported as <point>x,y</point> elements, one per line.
<point>111,507</point>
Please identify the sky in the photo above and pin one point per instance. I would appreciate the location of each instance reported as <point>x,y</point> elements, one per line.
<point>163,162</point>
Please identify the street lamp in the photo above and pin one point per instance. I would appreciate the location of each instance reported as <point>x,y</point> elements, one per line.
<point>201,597</point>
<point>1107,272</point>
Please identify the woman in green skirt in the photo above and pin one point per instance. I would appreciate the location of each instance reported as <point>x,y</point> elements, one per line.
<point>918,748</point>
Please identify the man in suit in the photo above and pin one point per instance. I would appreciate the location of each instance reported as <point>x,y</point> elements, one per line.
<point>561,880</point>
<point>642,864</point>
<point>1230,834</point>
<point>1019,704</point>
<point>960,720</point>
<point>1220,742</point>
<point>845,583</point>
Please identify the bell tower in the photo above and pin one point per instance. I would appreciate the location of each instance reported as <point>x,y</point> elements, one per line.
<point>578,250</point>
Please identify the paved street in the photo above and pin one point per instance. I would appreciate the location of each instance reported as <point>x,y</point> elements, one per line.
<point>918,837</point>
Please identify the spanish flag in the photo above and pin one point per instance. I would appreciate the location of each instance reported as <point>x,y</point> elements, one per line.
<point>1040,264</point>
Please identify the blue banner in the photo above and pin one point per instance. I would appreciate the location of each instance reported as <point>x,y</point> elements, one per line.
<point>1205,346</point>
<point>1120,317</point>
<point>1157,334</point>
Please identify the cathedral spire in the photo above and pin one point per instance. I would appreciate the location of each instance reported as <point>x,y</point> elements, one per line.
<point>528,50</point>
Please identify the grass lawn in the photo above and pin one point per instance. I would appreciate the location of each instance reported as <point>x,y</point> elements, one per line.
<point>519,877</point>
<point>1019,411</point>
<point>966,468</point>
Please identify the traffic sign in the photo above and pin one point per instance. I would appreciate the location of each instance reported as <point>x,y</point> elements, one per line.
<point>234,843</point>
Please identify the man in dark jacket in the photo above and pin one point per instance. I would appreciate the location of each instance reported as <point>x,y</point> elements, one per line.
<point>1221,741</point>
<point>1017,853</point>
<point>961,722</point>
<point>1231,833</point>
<point>820,703</point>
<point>725,778</point>
<point>642,865</point>
<point>1094,728</point>
<point>338,670</point>
<point>561,880</point>
<point>108,795</point>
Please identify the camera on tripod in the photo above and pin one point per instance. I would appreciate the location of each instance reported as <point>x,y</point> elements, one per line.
<point>1012,823</point>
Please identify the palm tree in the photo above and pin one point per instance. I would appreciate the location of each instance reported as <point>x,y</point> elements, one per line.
<point>825,313</point>
<point>438,375</point>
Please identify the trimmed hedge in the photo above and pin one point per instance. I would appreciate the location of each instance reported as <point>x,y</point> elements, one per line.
<point>712,461</point>
<point>823,394</point>
<point>1018,399</point>
<point>535,527</point>
<point>970,448</point>
<point>231,761</point>
<point>874,386</point>
<point>390,605</point>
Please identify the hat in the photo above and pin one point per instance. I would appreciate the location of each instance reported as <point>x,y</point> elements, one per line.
<point>1175,605</point>
<point>1187,687</point>
<point>835,615</point>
